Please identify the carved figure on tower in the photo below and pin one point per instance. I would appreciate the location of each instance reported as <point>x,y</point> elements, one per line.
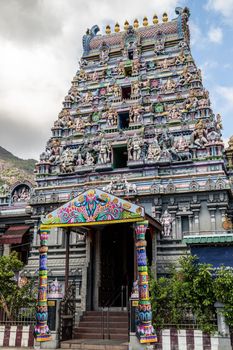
<point>104,152</point>
<point>166,221</point>
<point>199,135</point>
<point>135,148</point>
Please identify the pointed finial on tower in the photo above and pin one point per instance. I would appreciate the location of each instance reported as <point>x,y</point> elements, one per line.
<point>155,19</point>
<point>117,27</point>
<point>108,29</point>
<point>126,25</point>
<point>165,17</point>
<point>145,22</point>
<point>136,23</point>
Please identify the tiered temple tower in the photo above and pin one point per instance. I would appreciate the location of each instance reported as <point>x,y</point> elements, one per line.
<point>138,123</point>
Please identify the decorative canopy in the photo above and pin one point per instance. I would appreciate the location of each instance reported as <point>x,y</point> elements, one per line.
<point>93,207</point>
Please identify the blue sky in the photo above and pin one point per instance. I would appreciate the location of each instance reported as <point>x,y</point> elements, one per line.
<point>41,44</point>
<point>211,29</point>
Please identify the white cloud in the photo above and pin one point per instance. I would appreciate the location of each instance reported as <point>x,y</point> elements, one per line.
<point>41,43</point>
<point>215,35</point>
<point>224,7</point>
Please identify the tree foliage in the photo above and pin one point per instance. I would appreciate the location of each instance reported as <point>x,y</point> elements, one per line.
<point>13,296</point>
<point>189,293</point>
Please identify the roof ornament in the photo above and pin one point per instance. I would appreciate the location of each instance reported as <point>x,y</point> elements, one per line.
<point>90,33</point>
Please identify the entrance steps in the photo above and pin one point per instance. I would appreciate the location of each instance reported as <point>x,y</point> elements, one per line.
<point>95,325</point>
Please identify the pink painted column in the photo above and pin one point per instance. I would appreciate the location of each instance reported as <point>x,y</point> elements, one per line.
<point>42,332</point>
<point>145,330</point>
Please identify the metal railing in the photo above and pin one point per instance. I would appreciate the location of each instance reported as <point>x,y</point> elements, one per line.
<point>24,317</point>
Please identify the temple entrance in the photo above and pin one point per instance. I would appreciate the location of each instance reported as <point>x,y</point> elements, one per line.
<point>116,265</point>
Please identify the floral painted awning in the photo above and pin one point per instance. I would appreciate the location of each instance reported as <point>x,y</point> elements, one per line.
<point>91,208</point>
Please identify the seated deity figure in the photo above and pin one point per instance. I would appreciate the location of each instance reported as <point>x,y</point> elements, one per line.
<point>55,151</point>
<point>153,150</point>
<point>199,135</point>
<point>169,85</point>
<point>181,144</point>
<point>89,159</point>
<point>174,113</point>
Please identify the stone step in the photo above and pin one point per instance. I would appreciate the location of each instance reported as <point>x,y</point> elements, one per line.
<point>112,313</point>
<point>90,330</point>
<point>119,336</point>
<point>112,324</point>
<point>90,344</point>
<point>99,319</point>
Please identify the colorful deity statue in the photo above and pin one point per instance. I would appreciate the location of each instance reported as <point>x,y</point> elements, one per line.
<point>199,135</point>
<point>104,152</point>
<point>135,114</point>
<point>135,148</point>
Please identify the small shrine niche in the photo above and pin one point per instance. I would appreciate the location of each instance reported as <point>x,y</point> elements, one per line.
<point>20,194</point>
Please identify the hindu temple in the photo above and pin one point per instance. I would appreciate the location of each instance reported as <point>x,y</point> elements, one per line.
<point>134,174</point>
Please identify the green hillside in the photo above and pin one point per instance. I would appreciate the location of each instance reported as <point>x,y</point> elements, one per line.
<point>13,169</point>
<point>25,164</point>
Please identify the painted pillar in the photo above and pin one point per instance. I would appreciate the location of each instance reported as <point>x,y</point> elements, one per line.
<point>145,330</point>
<point>42,332</point>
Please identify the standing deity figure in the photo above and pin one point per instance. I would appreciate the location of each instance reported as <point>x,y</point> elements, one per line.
<point>135,148</point>
<point>79,126</point>
<point>79,160</point>
<point>199,135</point>
<point>116,90</point>
<point>135,114</point>
<point>135,88</point>
<point>135,66</point>
<point>121,68</point>
<point>218,123</point>
<point>166,221</point>
<point>104,152</point>
<point>112,117</point>
<point>67,161</point>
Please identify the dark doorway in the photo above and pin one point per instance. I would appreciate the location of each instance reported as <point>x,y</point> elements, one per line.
<point>123,120</point>
<point>117,264</point>
<point>120,157</point>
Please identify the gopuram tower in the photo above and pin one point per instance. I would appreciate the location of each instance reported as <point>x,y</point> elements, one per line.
<point>136,123</point>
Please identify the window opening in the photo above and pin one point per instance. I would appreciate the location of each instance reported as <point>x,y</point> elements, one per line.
<point>130,54</point>
<point>120,157</point>
<point>126,92</point>
<point>123,120</point>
